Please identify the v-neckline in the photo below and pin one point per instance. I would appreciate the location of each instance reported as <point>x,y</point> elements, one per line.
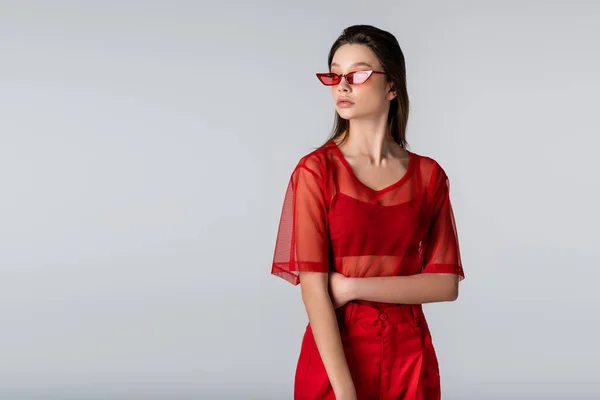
<point>411,162</point>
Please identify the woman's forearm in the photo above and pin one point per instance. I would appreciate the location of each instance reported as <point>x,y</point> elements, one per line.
<point>412,289</point>
<point>325,328</point>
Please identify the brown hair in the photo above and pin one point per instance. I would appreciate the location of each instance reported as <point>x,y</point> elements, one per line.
<point>386,48</point>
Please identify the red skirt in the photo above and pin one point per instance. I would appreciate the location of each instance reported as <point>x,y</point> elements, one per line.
<point>389,352</point>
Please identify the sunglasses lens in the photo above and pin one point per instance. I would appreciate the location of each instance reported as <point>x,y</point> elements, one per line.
<point>328,79</point>
<point>358,77</point>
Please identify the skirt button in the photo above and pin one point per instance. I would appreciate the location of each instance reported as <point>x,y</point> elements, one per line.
<point>383,316</point>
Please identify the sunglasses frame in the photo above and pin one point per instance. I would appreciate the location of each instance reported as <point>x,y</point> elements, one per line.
<point>345,77</point>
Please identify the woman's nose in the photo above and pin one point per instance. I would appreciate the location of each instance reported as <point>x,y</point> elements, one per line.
<point>343,85</point>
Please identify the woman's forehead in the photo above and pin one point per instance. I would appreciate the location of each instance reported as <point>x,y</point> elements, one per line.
<point>351,56</point>
<point>356,64</point>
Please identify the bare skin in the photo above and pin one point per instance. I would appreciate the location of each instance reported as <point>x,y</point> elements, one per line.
<point>413,289</point>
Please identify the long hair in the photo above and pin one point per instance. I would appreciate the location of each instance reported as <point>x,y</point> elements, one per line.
<point>388,51</point>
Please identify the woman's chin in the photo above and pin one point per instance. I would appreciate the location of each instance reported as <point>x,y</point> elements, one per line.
<point>345,113</point>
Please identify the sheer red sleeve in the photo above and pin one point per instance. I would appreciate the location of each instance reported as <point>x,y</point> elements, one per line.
<point>442,254</point>
<point>302,242</point>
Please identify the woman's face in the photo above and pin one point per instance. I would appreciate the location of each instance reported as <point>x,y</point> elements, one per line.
<point>369,99</point>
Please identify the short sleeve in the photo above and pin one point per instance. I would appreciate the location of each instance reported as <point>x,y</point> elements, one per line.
<point>302,242</point>
<point>442,252</point>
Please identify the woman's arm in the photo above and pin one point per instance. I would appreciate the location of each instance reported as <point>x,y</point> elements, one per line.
<point>412,289</point>
<point>323,322</point>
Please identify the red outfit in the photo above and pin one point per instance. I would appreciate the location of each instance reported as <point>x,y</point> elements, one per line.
<point>331,221</point>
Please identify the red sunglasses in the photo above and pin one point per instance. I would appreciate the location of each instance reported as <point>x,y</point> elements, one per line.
<point>353,78</point>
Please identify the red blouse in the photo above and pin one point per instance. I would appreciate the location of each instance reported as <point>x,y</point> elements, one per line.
<point>332,221</point>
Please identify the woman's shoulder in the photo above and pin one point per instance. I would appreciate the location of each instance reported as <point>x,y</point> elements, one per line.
<point>428,165</point>
<point>316,159</point>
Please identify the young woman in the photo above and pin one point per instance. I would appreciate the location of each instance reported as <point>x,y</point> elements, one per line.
<point>368,230</point>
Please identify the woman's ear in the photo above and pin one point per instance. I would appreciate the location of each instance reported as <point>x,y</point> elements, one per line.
<point>391,94</point>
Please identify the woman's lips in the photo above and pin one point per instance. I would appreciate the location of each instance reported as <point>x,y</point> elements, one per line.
<point>344,103</point>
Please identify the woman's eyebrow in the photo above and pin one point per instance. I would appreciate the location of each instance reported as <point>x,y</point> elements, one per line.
<point>357,64</point>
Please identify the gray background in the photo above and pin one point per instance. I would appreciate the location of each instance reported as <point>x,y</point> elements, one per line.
<point>144,152</point>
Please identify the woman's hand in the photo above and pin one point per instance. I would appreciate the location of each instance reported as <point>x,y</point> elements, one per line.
<point>340,289</point>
